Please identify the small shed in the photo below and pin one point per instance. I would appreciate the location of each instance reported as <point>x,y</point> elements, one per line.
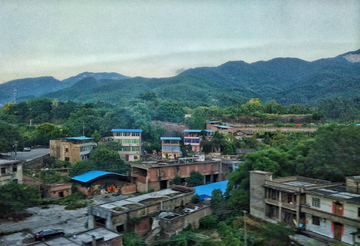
<point>100,182</point>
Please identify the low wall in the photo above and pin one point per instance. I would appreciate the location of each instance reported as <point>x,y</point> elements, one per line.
<point>36,163</point>
<point>128,189</point>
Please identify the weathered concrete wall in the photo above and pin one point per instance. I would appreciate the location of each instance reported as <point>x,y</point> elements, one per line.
<point>173,226</point>
<point>36,163</point>
<point>352,185</point>
<point>143,227</point>
<point>257,193</point>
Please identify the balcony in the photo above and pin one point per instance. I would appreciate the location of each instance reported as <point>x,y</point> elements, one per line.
<point>290,206</point>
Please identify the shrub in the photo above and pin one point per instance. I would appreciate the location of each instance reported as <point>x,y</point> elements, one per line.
<point>208,222</point>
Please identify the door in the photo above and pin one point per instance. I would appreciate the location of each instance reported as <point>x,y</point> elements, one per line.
<point>337,231</point>
<point>338,208</point>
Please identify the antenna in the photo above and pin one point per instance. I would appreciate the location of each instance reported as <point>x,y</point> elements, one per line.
<point>15,95</point>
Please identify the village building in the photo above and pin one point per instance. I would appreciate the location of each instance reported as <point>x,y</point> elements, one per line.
<point>130,140</point>
<point>210,125</point>
<point>193,137</point>
<point>72,149</point>
<point>157,175</point>
<point>334,211</point>
<point>239,134</point>
<point>101,182</point>
<point>170,147</point>
<point>319,206</point>
<point>11,171</point>
<point>157,214</point>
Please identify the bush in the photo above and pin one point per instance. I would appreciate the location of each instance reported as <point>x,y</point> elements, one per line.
<point>176,180</point>
<point>195,198</point>
<point>208,222</point>
<point>195,179</point>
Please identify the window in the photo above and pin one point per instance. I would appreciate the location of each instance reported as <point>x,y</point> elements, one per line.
<point>358,212</point>
<point>126,134</point>
<point>3,170</point>
<point>134,134</point>
<point>196,140</point>
<point>316,202</point>
<point>15,168</point>
<point>316,220</point>
<point>187,140</point>
<point>135,141</point>
<point>135,148</point>
<point>119,141</point>
<point>273,194</point>
<point>126,149</point>
<point>126,141</point>
<point>67,158</point>
<point>67,150</point>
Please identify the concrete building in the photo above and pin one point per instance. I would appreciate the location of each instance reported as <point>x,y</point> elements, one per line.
<point>93,237</point>
<point>132,214</point>
<point>334,211</point>
<point>319,206</point>
<point>58,190</point>
<point>170,147</point>
<point>210,125</point>
<point>130,139</point>
<point>158,175</point>
<point>239,134</point>
<point>193,137</point>
<point>11,171</point>
<point>72,149</point>
<point>279,199</point>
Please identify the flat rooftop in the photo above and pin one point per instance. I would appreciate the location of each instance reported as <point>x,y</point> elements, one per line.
<point>338,192</point>
<point>152,164</point>
<point>142,200</point>
<point>7,162</point>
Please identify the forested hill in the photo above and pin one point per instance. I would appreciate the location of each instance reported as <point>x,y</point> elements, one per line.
<point>34,87</point>
<point>287,80</point>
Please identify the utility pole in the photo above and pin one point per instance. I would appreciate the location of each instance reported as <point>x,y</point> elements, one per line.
<point>245,227</point>
<point>15,145</point>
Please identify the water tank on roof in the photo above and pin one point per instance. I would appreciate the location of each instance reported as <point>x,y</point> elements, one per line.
<point>200,157</point>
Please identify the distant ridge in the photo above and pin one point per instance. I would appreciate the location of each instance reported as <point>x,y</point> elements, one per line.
<point>286,80</point>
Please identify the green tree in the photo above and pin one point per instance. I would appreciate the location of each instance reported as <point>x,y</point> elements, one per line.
<point>15,198</point>
<point>217,201</point>
<point>96,136</point>
<point>81,167</point>
<point>195,179</point>
<point>109,160</point>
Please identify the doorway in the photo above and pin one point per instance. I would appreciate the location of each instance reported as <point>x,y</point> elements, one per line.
<point>163,184</point>
<point>337,231</point>
<point>338,208</point>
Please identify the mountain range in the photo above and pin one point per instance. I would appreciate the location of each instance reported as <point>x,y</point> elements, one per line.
<point>286,80</point>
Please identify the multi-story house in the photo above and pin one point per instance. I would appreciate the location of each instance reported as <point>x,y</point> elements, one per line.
<point>193,138</point>
<point>319,206</point>
<point>170,147</point>
<point>334,211</point>
<point>11,171</point>
<point>72,149</point>
<point>130,139</point>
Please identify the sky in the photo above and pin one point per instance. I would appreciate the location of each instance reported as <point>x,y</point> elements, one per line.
<point>161,38</point>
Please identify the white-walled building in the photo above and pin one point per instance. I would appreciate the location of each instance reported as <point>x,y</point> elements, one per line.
<point>334,211</point>
<point>130,139</point>
<point>11,171</point>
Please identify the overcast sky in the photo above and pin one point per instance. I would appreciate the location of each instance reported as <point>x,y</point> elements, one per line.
<point>159,38</point>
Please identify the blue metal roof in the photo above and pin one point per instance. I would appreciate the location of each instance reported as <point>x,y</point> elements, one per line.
<point>192,130</point>
<point>205,191</point>
<point>170,138</point>
<point>225,127</point>
<point>86,177</point>
<point>209,130</point>
<point>79,138</point>
<point>126,130</point>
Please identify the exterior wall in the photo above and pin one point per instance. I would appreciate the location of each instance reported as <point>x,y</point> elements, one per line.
<point>174,226</point>
<point>10,172</point>
<point>167,173</point>
<point>192,138</point>
<point>173,152</point>
<point>64,150</point>
<point>53,191</point>
<point>128,189</point>
<point>129,155</point>
<point>257,193</point>
<point>352,185</point>
<point>143,227</point>
<point>350,210</point>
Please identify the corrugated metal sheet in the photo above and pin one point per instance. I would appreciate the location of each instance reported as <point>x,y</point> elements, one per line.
<point>192,130</point>
<point>170,138</point>
<point>126,130</point>
<point>79,138</point>
<point>205,191</point>
<point>86,177</point>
